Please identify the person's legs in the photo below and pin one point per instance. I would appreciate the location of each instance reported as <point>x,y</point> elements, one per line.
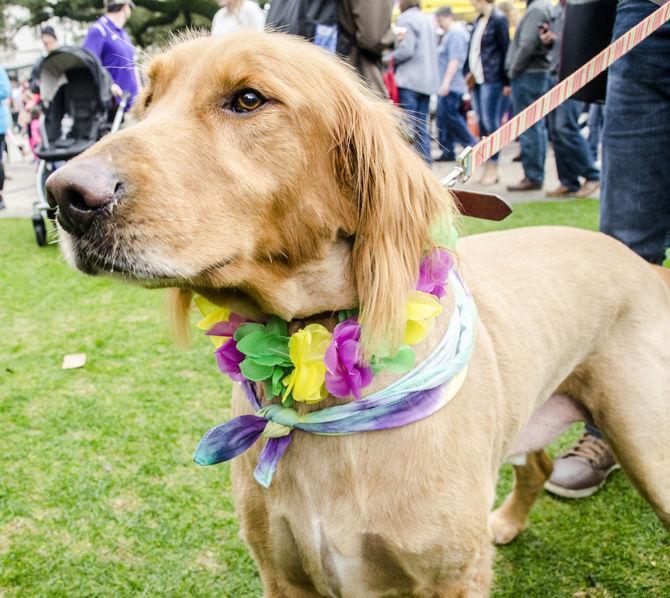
<point>2,171</point>
<point>527,88</point>
<point>491,99</point>
<point>457,128</point>
<point>573,157</point>
<point>422,107</point>
<point>635,203</point>
<point>635,198</point>
<point>416,106</point>
<point>445,137</point>
<point>595,124</point>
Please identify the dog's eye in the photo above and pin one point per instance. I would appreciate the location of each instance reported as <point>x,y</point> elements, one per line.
<point>246,101</point>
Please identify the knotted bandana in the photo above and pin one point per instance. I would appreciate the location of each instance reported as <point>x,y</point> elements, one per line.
<point>418,394</point>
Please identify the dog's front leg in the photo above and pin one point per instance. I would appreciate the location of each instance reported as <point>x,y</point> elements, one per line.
<point>509,520</point>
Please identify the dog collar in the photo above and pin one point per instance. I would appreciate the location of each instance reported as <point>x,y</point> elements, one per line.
<point>418,394</point>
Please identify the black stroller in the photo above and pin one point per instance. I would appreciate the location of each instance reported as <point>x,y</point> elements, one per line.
<point>76,98</point>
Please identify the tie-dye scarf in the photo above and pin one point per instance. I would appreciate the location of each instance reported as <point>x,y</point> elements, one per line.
<point>418,394</point>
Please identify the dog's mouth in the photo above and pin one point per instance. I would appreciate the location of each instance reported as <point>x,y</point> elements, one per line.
<point>99,254</point>
<point>124,256</point>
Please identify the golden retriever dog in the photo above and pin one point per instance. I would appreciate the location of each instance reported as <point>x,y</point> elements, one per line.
<point>264,176</point>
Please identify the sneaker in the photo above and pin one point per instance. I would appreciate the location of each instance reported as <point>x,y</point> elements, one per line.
<point>589,189</point>
<point>583,469</point>
<point>562,192</point>
<point>2,203</point>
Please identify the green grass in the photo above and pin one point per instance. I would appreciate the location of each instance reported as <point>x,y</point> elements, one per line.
<point>98,492</point>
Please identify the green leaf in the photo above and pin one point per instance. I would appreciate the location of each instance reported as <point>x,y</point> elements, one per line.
<point>401,362</point>
<point>267,359</point>
<point>252,344</point>
<point>277,386</point>
<point>255,371</point>
<point>247,329</point>
<point>277,326</point>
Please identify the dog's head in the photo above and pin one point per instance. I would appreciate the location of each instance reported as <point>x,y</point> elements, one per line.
<point>262,174</point>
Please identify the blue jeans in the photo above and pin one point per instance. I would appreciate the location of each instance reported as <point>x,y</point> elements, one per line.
<point>416,106</point>
<point>572,153</point>
<point>595,123</point>
<point>635,199</point>
<point>451,125</point>
<point>527,88</point>
<point>488,101</point>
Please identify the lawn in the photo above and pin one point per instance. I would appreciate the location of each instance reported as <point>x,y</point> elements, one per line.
<point>98,492</point>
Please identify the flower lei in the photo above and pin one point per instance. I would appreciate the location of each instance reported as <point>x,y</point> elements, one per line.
<point>313,362</point>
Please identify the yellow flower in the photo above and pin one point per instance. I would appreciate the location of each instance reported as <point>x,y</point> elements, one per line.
<point>306,349</point>
<point>212,314</point>
<point>420,308</point>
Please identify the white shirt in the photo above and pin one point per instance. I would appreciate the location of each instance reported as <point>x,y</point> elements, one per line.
<point>251,16</point>
<point>475,56</point>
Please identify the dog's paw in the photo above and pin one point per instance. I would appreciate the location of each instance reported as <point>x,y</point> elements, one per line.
<point>503,528</point>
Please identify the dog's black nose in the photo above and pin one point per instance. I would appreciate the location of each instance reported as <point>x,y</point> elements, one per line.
<point>82,190</point>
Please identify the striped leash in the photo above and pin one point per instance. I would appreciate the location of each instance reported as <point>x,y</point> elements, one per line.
<point>471,158</point>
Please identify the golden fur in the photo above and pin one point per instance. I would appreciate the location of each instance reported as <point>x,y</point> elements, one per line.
<point>313,203</point>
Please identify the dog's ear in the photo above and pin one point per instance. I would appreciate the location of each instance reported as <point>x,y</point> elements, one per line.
<point>396,199</point>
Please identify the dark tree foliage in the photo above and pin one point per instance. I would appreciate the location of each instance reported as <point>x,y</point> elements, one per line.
<point>152,21</point>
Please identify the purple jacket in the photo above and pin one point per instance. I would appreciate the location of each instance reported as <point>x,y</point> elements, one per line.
<point>116,53</point>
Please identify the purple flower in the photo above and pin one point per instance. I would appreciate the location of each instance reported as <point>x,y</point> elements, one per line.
<point>228,358</point>
<point>433,272</point>
<point>346,374</point>
<point>227,327</point>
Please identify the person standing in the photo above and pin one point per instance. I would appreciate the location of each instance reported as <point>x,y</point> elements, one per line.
<point>107,40</point>
<point>635,196</point>
<point>452,54</point>
<point>571,151</point>
<point>365,33</point>
<point>235,15</point>
<point>5,90</point>
<point>528,62</point>
<point>415,60</point>
<point>485,72</point>
<point>49,42</point>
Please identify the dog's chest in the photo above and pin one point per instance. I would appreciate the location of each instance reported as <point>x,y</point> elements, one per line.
<point>328,562</point>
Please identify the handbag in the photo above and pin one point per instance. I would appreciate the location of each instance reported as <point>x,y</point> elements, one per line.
<point>588,29</point>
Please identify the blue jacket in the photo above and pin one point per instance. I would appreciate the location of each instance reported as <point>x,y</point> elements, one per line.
<point>5,90</point>
<point>495,42</point>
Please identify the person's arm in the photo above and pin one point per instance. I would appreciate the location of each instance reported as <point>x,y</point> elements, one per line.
<point>502,40</point>
<point>95,41</point>
<point>256,18</point>
<point>528,43</point>
<point>5,87</point>
<point>406,48</point>
<point>452,66</point>
<point>372,22</point>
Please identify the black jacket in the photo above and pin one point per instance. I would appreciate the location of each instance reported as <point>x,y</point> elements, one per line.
<point>495,41</point>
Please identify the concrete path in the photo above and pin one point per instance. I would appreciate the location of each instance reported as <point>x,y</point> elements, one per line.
<point>20,188</point>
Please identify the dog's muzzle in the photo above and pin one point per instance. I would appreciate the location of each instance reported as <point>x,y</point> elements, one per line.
<point>83,191</point>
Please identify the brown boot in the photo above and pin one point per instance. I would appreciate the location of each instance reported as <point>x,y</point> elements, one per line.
<point>583,469</point>
<point>562,192</point>
<point>589,189</point>
<point>525,185</point>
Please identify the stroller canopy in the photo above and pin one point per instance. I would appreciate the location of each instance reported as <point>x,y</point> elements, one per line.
<point>62,64</point>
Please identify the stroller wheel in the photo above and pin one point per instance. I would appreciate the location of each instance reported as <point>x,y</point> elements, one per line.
<point>40,230</point>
